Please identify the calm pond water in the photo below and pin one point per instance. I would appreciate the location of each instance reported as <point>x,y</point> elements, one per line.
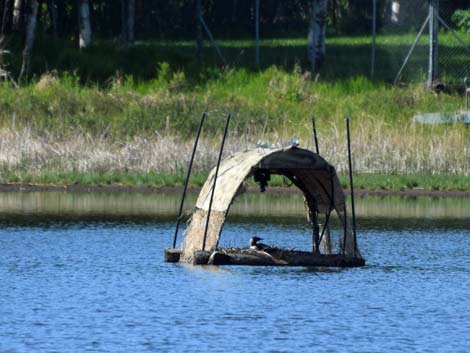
<point>85,273</point>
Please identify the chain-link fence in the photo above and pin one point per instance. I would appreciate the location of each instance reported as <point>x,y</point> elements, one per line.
<point>423,40</point>
<point>395,41</point>
<point>454,43</point>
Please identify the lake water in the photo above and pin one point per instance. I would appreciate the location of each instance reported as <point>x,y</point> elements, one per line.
<point>85,273</point>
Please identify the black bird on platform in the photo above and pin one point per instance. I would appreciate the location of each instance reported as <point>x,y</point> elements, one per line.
<point>255,245</point>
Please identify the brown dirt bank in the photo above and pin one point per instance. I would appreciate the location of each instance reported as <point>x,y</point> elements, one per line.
<point>79,188</point>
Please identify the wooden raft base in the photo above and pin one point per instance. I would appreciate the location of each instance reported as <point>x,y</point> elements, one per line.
<point>275,257</point>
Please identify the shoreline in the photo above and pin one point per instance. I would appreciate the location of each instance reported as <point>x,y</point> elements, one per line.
<point>80,188</point>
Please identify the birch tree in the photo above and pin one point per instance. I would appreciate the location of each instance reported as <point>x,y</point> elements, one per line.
<point>32,15</point>
<point>17,14</point>
<point>127,21</point>
<point>317,34</point>
<point>395,12</point>
<point>84,23</point>
<point>130,22</point>
<point>52,8</point>
<point>3,71</point>
<point>124,22</point>
<point>5,15</point>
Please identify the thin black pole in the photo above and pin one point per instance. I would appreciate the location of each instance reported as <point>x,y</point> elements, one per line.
<point>188,174</point>
<point>351,183</point>
<point>215,181</point>
<point>332,203</point>
<point>315,134</point>
<point>345,229</point>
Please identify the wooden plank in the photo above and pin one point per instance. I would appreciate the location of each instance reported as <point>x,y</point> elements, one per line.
<point>172,255</point>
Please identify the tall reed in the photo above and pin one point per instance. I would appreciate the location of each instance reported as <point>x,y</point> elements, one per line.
<point>377,149</point>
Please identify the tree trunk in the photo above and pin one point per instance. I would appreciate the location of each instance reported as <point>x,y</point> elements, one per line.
<point>61,17</point>
<point>124,22</point>
<point>5,16</point>
<point>17,14</point>
<point>32,14</point>
<point>317,34</point>
<point>334,13</point>
<point>395,12</point>
<point>53,16</point>
<point>130,22</point>
<point>85,25</point>
<point>2,3</point>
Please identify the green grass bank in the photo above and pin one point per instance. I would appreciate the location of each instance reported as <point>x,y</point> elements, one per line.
<point>373,182</point>
<point>133,124</point>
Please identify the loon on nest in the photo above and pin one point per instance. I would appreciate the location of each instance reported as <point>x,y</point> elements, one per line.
<point>254,245</point>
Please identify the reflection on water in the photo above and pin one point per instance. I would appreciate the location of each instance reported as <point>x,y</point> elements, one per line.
<point>254,207</point>
<point>84,272</point>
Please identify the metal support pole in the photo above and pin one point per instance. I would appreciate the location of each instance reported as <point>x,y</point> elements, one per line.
<point>408,56</point>
<point>433,41</point>
<point>316,233</point>
<point>374,39</point>
<point>465,82</point>
<point>315,135</point>
<point>188,174</point>
<point>345,230</point>
<point>211,37</point>
<point>353,210</point>
<point>199,38</point>
<point>215,181</point>
<point>332,202</point>
<point>257,5</point>
<point>456,36</point>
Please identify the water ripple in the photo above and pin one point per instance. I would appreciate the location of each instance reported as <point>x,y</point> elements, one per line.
<point>104,288</point>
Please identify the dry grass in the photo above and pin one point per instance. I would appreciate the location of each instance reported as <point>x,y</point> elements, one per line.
<point>377,148</point>
<point>82,153</point>
<point>413,149</point>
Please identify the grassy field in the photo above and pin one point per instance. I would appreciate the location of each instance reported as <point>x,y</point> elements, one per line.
<point>157,180</point>
<point>130,119</point>
<point>348,57</point>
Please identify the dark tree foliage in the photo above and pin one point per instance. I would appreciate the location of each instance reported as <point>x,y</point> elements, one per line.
<point>226,18</point>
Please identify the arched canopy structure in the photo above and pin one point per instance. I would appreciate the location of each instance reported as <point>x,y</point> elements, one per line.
<point>315,177</point>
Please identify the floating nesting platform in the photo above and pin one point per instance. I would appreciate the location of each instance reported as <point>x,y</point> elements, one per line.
<point>273,257</point>
<point>307,171</point>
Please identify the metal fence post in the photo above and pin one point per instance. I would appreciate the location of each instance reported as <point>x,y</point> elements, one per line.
<point>374,35</point>
<point>465,82</point>
<point>433,41</point>
<point>257,32</point>
<point>199,38</point>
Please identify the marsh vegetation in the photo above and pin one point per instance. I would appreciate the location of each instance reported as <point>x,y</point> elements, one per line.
<point>130,119</point>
